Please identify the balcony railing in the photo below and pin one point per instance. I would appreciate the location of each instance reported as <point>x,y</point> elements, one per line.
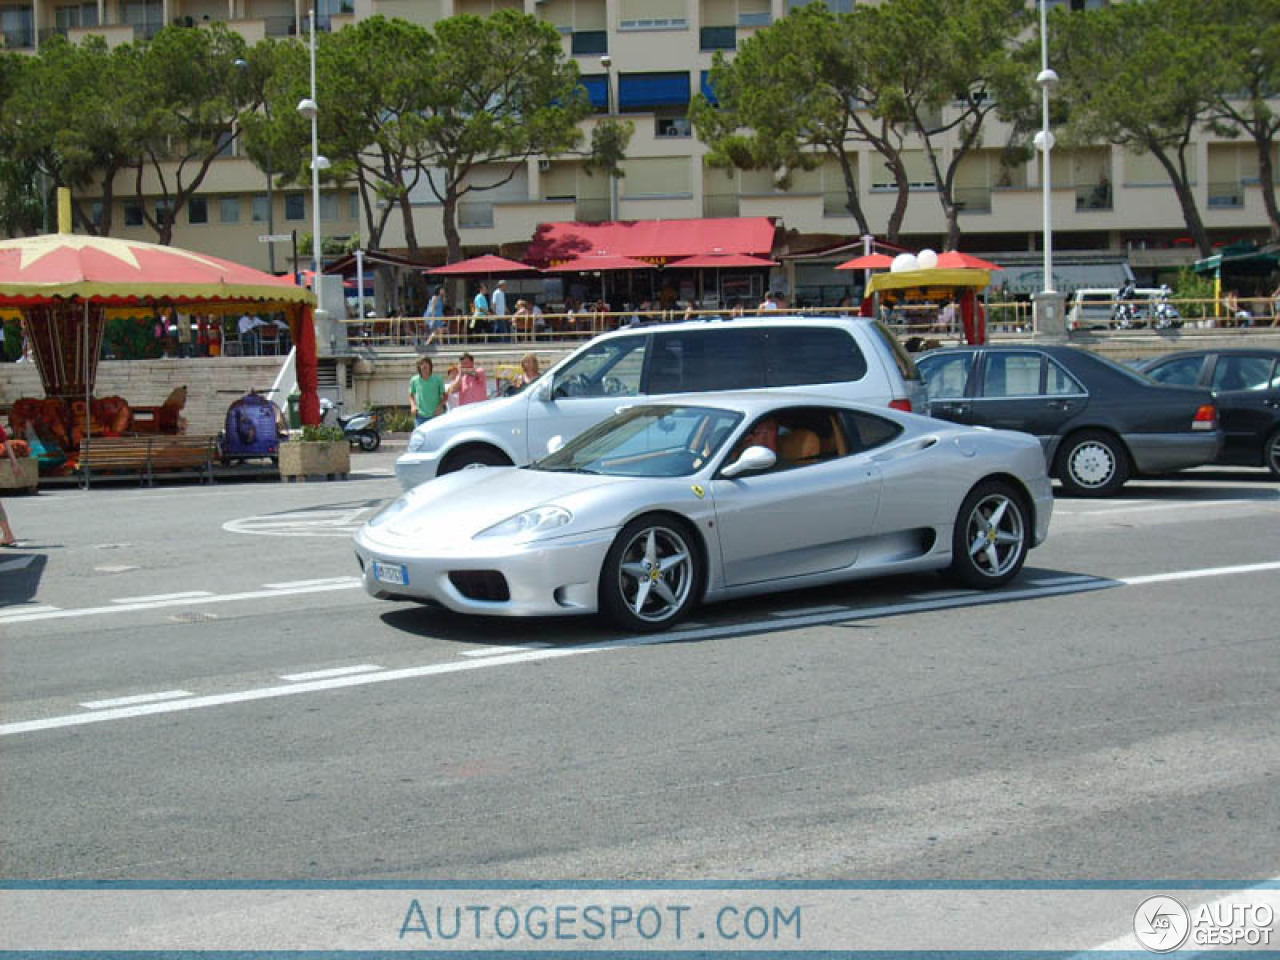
<point>716,205</point>
<point>1226,194</point>
<point>718,38</point>
<point>17,38</point>
<point>1093,196</point>
<point>475,215</point>
<point>835,203</point>
<point>280,26</point>
<point>972,199</point>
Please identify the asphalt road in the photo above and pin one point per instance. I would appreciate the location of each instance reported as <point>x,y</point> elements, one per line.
<point>195,687</point>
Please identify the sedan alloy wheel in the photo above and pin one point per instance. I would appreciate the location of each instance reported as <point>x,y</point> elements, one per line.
<point>650,575</point>
<point>989,543</point>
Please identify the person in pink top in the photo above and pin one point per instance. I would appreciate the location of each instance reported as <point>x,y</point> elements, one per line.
<point>470,384</point>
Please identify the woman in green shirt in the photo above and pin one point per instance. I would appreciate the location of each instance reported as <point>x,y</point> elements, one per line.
<point>426,393</point>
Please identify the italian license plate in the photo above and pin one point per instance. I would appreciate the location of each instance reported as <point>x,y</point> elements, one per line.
<point>395,573</point>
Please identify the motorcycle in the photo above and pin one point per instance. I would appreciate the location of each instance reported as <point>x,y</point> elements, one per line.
<point>1164,313</point>
<point>360,429</point>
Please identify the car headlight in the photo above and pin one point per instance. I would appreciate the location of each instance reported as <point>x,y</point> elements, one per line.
<point>390,510</point>
<point>530,523</point>
<point>417,441</point>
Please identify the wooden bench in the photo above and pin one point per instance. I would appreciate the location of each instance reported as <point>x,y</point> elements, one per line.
<point>145,456</point>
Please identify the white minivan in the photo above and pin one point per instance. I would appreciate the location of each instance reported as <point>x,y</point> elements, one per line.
<point>851,357</point>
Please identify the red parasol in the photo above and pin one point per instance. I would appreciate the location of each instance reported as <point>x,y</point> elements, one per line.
<point>725,261</point>
<point>868,261</point>
<point>481,266</point>
<point>600,261</point>
<point>64,282</point>
<point>954,258</point>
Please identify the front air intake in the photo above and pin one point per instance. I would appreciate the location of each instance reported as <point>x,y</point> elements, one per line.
<point>488,586</point>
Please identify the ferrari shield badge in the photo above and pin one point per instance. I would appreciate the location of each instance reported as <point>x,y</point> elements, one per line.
<point>698,491</point>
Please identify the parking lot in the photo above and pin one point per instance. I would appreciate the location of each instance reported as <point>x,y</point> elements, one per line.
<point>195,687</point>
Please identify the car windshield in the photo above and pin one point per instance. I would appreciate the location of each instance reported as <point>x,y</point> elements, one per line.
<point>646,441</point>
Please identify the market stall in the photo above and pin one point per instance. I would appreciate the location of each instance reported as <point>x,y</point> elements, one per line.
<point>920,278</point>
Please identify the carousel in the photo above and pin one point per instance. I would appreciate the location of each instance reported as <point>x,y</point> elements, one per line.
<point>64,287</point>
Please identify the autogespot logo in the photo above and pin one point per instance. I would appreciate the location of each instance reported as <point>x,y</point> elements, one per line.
<point>1161,924</point>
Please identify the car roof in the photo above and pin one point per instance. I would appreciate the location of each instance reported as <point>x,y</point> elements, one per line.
<point>753,402</point>
<point>1053,349</point>
<point>769,320</point>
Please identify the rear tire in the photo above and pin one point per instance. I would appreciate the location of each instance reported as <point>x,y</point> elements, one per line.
<point>369,440</point>
<point>1092,463</point>
<point>991,536</point>
<point>1271,453</point>
<point>652,575</point>
<point>476,456</point>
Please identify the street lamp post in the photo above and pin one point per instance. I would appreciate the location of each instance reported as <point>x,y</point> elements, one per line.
<point>611,102</point>
<point>310,109</point>
<point>1048,303</point>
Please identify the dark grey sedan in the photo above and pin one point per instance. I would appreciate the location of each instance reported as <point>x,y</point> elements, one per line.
<point>1099,422</point>
<point>1246,384</point>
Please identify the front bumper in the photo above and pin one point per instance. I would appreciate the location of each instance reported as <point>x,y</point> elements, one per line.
<point>546,578</point>
<point>413,469</point>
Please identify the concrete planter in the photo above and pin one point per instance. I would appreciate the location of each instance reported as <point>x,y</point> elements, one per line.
<point>26,479</point>
<point>327,460</point>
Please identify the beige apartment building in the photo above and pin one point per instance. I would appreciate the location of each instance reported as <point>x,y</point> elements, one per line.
<point>646,59</point>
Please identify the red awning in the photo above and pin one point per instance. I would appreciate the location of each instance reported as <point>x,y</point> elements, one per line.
<point>657,241</point>
<point>723,261</point>
<point>954,258</point>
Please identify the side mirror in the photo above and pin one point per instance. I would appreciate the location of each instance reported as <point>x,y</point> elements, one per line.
<point>542,390</point>
<point>752,460</point>
<point>555,443</point>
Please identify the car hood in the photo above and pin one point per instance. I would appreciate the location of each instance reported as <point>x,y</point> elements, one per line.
<point>495,408</point>
<point>459,505</point>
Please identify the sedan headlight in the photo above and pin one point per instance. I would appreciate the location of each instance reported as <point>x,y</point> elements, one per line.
<point>530,523</point>
<point>417,441</point>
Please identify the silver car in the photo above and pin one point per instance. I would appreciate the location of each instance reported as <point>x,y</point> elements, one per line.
<point>665,505</point>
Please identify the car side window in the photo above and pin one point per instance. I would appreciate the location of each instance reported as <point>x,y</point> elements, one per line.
<point>1059,383</point>
<point>1242,373</point>
<point>803,436</point>
<point>1012,374</point>
<point>946,376</point>
<point>609,369</point>
<point>800,355</point>
<point>865,431</point>
<point>718,358</point>
<point>1182,372</point>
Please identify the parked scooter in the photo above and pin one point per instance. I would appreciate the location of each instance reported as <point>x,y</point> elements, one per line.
<point>360,429</point>
<point>1126,315</point>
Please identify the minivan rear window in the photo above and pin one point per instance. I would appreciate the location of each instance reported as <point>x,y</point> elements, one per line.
<point>800,355</point>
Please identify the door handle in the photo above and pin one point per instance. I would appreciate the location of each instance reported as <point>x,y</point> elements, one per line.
<point>1059,404</point>
<point>952,408</point>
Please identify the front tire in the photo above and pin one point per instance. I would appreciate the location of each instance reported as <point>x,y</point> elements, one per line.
<point>1271,453</point>
<point>477,456</point>
<point>1092,464</point>
<point>990,539</point>
<point>652,575</point>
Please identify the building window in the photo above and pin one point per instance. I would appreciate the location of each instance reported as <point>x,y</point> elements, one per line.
<point>133,214</point>
<point>674,125</point>
<point>95,213</point>
<point>586,42</point>
<point>718,38</point>
<point>229,210</point>
<point>163,213</point>
<point>835,6</point>
<point>658,177</point>
<point>330,206</point>
<point>353,205</point>
<point>261,212</point>
<point>653,15</point>
<point>198,210</point>
<point>295,206</point>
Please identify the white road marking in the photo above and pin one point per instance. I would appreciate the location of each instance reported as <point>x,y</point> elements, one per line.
<point>322,581</point>
<point>11,613</point>
<point>134,700</point>
<point>1186,505</point>
<point>493,651</point>
<point>161,597</point>
<point>526,655</point>
<point>332,672</point>
<point>17,563</point>
<point>828,608</point>
<point>116,568</point>
<point>56,614</point>
<point>1197,574</point>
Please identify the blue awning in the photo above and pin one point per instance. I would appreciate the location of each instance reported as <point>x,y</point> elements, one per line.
<point>707,92</point>
<point>597,89</point>
<point>639,91</point>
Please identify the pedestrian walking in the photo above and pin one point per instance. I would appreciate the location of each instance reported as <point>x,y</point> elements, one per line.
<point>7,539</point>
<point>426,393</point>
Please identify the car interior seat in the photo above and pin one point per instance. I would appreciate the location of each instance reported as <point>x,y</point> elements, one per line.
<point>799,445</point>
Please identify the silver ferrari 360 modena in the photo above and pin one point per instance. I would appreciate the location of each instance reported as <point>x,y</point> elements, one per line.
<point>699,499</point>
